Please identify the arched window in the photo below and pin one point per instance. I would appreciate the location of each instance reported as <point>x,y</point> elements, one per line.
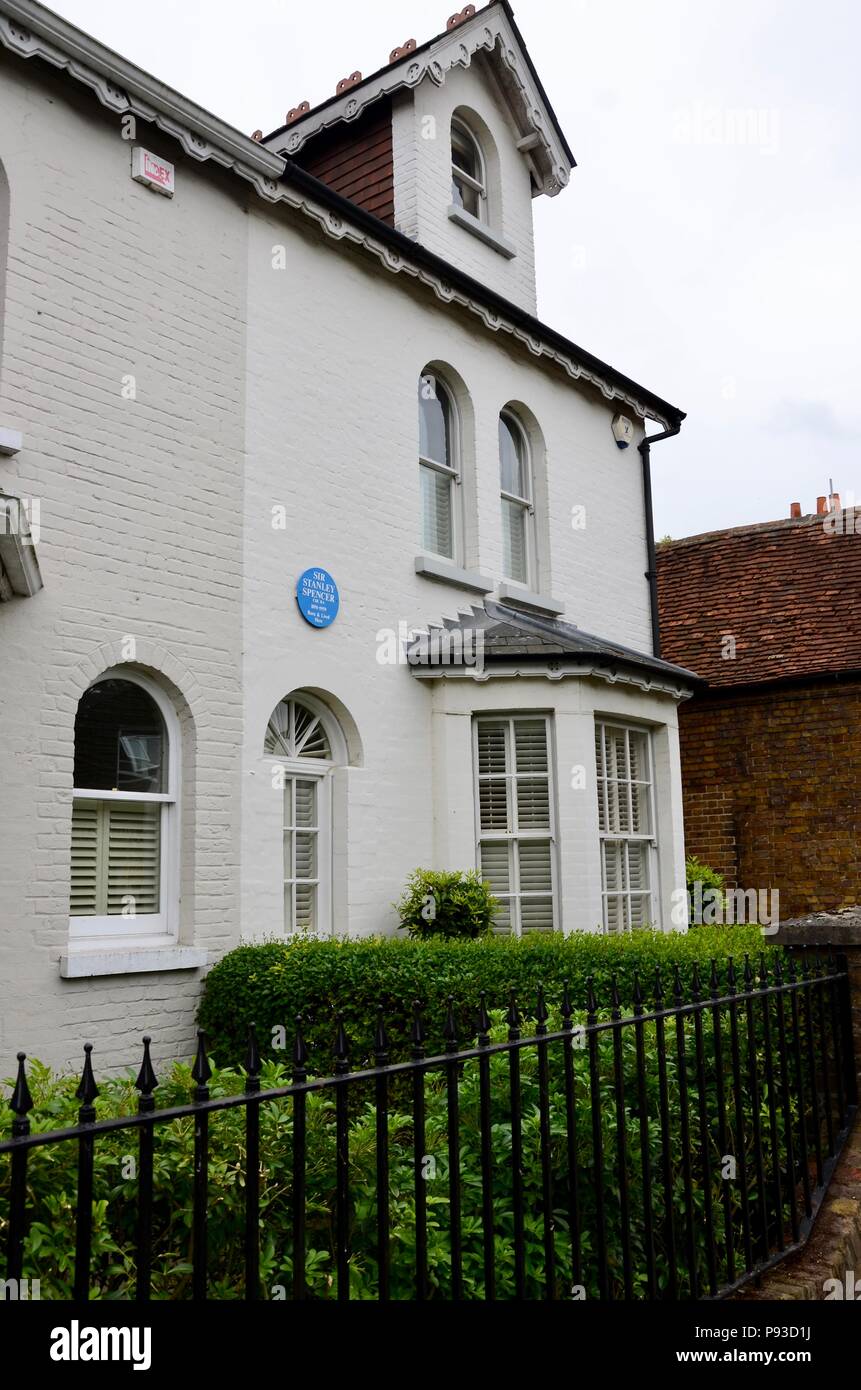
<point>309,745</point>
<point>439,465</point>
<point>518,509</point>
<point>468,172</point>
<point>124,875</point>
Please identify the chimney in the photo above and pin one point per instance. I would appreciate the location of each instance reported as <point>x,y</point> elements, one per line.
<point>834,499</point>
<point>795,511</point>
<point>822,506</point>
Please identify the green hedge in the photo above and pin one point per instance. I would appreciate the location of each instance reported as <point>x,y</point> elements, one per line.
<point>270,983</point>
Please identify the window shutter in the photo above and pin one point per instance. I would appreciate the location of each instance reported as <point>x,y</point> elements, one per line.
<point>133,858</point>
<point>514,542</point>
<point>495,870</point>
<point>85,858</point>
<point>493,785</point>
<point>301,853</point>
<point>116,858</point>
<point>437,528</point>
<point>514,804</point>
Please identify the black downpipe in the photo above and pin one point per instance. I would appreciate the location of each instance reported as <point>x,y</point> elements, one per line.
<point>652,571</point>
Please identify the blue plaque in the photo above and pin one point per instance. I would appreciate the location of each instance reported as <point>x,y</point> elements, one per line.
<point>318,598</point>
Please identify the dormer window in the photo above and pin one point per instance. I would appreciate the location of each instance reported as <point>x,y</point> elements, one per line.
<point>468,177</point>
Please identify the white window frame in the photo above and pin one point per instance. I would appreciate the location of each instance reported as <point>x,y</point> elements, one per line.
<point>161,929</point>
<point>453,471</point>
<point>650,839</point>
<point>321,774</point>
<point>479,185</point>
<point>527,504</point>
<point>322,771</point>
<point>515,836</point>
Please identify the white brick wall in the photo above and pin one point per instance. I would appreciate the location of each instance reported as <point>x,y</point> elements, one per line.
<point>139,501</point>
<point>255,388</point>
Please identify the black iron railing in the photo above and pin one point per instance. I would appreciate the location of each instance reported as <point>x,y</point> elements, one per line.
<point>671,1153</point>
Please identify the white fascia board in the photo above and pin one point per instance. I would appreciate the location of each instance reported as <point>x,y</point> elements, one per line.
<point>32,30</point>
<point>487,32</point>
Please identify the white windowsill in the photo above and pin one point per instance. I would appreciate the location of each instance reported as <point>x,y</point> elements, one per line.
<point>86,964</point>
<point>523,598</point>
<point>462,218</point>
<point>449,573</point>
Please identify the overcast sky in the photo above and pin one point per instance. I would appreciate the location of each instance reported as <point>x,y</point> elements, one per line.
<point>708,244</point>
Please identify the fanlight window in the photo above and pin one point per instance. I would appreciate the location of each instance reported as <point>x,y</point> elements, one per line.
<point>297,732</point>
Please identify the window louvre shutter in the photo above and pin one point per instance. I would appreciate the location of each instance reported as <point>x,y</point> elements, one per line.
<point>85,859</point>
<point>514,563</point>
<point>437,525</point>
<point>624,812</point>
<point>517,863</point>
<point>134,858</point>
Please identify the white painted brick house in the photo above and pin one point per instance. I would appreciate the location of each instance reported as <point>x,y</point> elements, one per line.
<point>318,353</point>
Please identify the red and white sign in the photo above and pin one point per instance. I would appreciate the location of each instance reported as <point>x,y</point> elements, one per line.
<point>154,171</point>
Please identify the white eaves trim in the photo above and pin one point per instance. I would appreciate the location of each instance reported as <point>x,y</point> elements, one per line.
<point>488,32</point>
<point>556,669</point>
<point>31,30</point>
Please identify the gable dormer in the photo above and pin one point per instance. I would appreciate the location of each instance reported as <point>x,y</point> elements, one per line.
<point>450,143</point>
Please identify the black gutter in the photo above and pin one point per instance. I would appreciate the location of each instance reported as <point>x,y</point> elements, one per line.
<point>413,251</point>
<point>652,571</point>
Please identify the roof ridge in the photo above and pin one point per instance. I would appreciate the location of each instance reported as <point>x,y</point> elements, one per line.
<point>751,528</point>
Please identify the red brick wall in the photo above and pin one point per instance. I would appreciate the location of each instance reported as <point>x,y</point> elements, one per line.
<point>356,159</point>
<point>772,791</point>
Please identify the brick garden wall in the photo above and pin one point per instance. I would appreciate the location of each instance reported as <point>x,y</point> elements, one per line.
<point>772,791</point>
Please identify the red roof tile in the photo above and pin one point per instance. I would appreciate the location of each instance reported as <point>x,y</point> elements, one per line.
<point>788,592</point>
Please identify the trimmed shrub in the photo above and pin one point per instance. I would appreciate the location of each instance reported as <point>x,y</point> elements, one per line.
<point>447,904</point>
<point>271,983</point>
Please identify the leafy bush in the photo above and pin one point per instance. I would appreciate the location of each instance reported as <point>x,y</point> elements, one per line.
<point>269,984</point>
<point>52,1177</point>
<point>447,904</point>
<point>698,873</point>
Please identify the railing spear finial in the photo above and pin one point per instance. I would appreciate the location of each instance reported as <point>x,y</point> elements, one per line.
<point>201,1071</point>
<point>147,1081</point>
<point>87,1089</point>
<point>21,1102</point>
